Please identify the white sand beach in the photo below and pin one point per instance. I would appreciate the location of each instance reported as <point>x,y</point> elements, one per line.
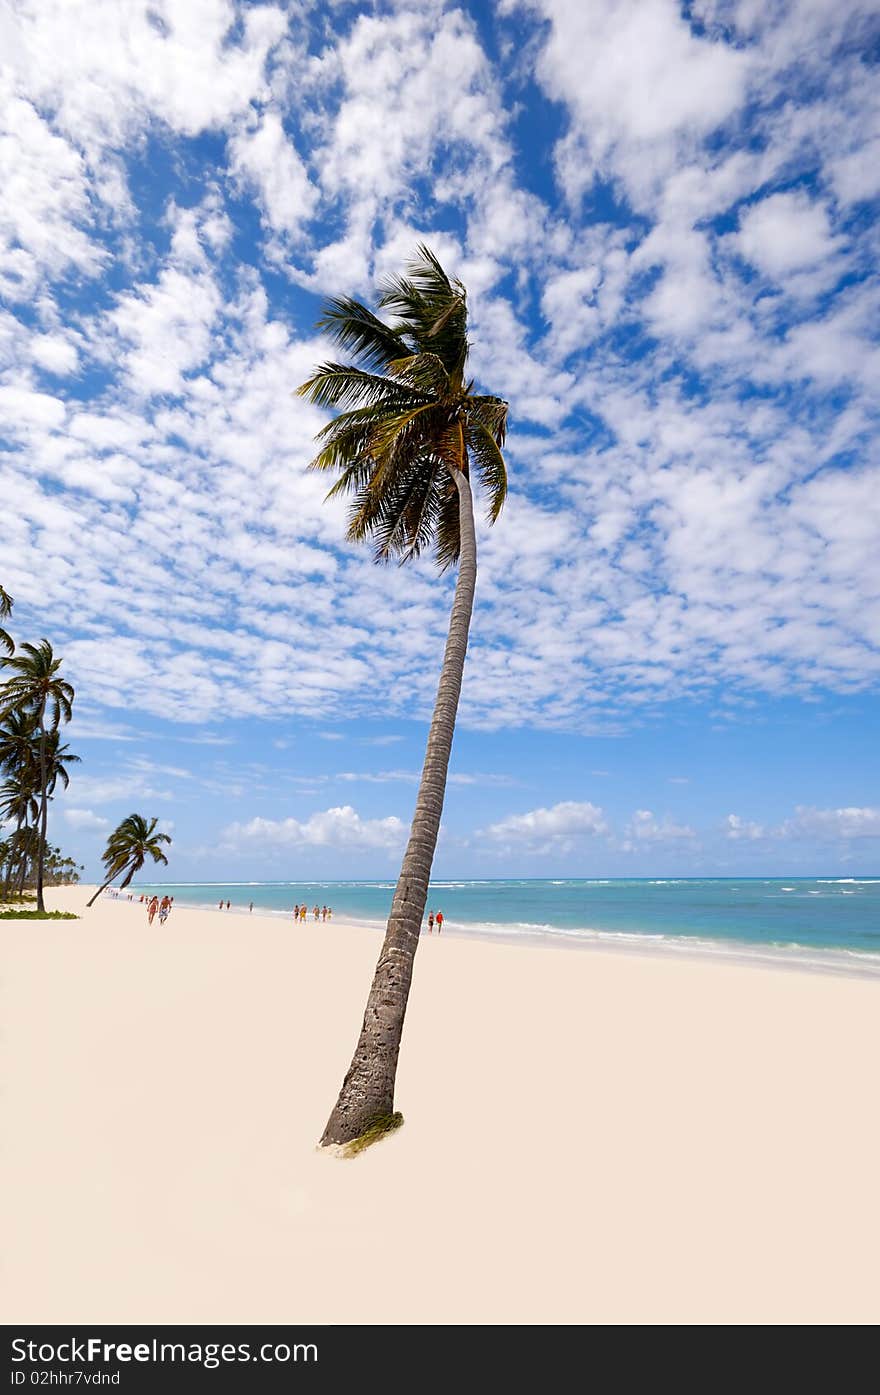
<point>588,1138</point>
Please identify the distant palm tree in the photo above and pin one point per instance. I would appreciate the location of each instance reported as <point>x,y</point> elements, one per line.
<point>20,760</point>
<point>6,604</point>
<point>19,802</point>
<point>128,847</point>
<point>411,433</point>
<point>37,690</point>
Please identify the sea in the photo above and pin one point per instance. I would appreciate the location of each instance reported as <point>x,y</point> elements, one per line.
<point>831,924</point>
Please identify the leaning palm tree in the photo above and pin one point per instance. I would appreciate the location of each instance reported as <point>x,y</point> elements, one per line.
<point>37,690</point>
<point>6,603</point>
<point>128,847</point>
<point>411,435</point>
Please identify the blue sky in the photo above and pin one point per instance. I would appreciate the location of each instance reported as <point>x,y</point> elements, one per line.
<point>666,219</point>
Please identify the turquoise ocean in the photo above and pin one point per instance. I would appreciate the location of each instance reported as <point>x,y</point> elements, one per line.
<point>823,922</point>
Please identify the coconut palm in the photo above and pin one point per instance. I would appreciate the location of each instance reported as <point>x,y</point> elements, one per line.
<point>6,603</point>
<point>19,803</point>
<point>19,761</point>
<point>411,438</point>
<point>36,689</point>
<point>18,741</point>
<point>58,758</point>
<point>128,847</point>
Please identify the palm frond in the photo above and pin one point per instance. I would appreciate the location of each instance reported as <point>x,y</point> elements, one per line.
<point>352,326</point>
<point>490,412</point>
<point>490,466</point>
<point>425,372</point>
<point>341,385</point>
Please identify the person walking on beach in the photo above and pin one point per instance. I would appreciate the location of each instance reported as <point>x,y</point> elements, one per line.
<point>317,913</point>
<point>152,908</point>
<point>228,903</point>
<point>439,921</point>
<point>323,912</point>
<point>219,905</point>
<point>431,923</point>
<point>251,907</point>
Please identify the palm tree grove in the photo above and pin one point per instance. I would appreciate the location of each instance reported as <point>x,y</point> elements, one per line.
<point>411,440</point>
<point>36,701</point>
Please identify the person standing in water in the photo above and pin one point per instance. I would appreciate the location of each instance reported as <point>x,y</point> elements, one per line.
<point>251,907</point>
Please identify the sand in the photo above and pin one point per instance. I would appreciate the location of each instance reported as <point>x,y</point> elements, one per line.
<point>589,1137</point>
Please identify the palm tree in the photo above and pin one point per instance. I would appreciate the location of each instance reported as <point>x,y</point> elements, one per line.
<point>19,760</point>
<point>127,850</point>
<point>58,757</point>
<point>18,801</point>
<point>6,604</point>
<point>410,434</point>
<point>36,689</point>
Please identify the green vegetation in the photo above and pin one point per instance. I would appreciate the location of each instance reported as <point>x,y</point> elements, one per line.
<point>34,701</point>
<point>411,440</point>
<point>6,914</point>
<point>379,1129</point>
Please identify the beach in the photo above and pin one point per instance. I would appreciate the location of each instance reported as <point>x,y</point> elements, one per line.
<point>589,1137</point>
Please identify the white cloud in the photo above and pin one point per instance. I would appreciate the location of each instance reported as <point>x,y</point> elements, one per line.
<point>340,827</point>
<point>637,81</point>
<point>644,827</point>
<point>785,233</point>
<point>667,530</point>
<point>265,159</point>
<point>85,821</point>
<point>832,824</point>
<point>558,828</point>
<point>738,828</point>
<point>55,353</point>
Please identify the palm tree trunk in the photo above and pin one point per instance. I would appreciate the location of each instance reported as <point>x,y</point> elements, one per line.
<point>44,809</point>
<point>10,866</point>
<point>98,893</point>
<point>367,1093</point>
<point>122,885</point>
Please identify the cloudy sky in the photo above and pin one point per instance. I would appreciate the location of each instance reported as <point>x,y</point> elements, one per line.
<point>665,215</point>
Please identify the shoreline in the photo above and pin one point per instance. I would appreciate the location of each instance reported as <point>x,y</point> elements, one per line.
<point>844,963</point>
<point>597,1138</point>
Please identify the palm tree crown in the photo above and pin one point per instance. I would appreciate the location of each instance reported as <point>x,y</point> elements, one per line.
<point>131,843</point>
<point>58,757</point>
<point>18,749</point>
<point>409,416</point>
<point>35,685</point>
